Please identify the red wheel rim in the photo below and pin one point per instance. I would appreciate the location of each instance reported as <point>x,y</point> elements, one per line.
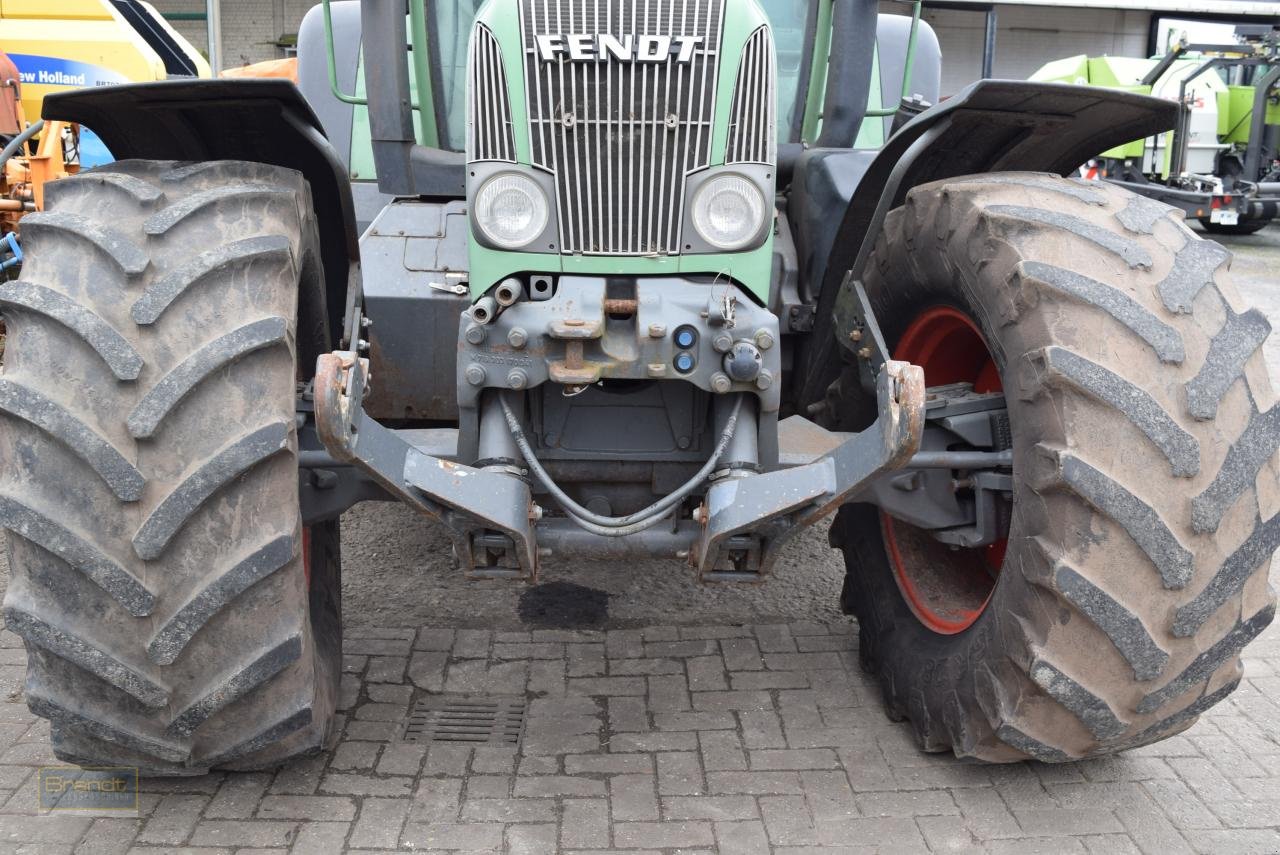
<point>946,589</point>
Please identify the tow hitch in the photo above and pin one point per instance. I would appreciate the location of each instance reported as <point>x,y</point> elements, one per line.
<point>495,524</point>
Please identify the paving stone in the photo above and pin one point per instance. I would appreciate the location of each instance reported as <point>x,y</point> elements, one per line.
<point>547,677</point>
<point>380,822</point>
<point>558,785</point>
<point>607,686</point>
<point>721,751</point>
<point>787,821</point>
<point>754,783</point>
<point>585,660</point>
<point>709,807</point>
<point>509,810</point>
<point>365,785</point>
<point>471,644</point>
<point>493,759</point>
<point>679,774</point>
<point>319,838</point>
<point>624,644</point>
<point>436,800</point>
<point>911,803</point>
<point>801,661</point>
<point>680,649</point>
<point>736,700</point>
<point>377,646</point>
<point>426,669</point>
<point>446,759</point>
<point>694,721</point>
<point>357,756</point>
<point>1061,822</point>
<point>531,839</point>
<point>529,650</point>
<point>585,824</point>
<point>669,693</point>
<point>748,681</point>
<point>741,838</point>
<point>320,808</point>
<point>669,741</point>
<point>771,758</point>
<point>741,654</point>
<point>173,819</point>
<point>238,796</point>
<point>628,714</point>
<point>477,677</point>
<point>236,833</point>
<point>472,836</point>
<point>663,835</point>
<point>489,786</point>
<point>633,797</point>
<point>402,758</point>
<point>707,674</point>
<point>761,728</point>
<point>608,764</point>
<point>644,667</point>
<point>775,639</point>
<point>300,777</point>
<point>829,796</point>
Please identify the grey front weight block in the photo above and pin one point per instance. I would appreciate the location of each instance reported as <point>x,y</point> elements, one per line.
<point>779,505</point>
<point>468,501</point>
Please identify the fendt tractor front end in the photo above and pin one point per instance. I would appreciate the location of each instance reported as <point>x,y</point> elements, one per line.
<point>619,371</point>
<point>664,278</point>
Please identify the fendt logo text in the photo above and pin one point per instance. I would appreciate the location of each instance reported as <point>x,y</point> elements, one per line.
<point>592,47</point>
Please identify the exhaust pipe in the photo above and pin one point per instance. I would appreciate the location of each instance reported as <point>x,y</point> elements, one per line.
<point>508,292</point>
<point>484,310</point>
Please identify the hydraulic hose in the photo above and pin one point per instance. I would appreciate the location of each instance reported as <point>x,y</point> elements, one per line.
<point>638,521</point>
<point>19,141</point>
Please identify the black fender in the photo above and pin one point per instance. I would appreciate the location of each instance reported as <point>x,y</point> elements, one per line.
<point>267,121</point>
<point>991,126</point>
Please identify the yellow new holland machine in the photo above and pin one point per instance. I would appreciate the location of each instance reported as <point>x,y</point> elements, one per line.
<point>54,46</point>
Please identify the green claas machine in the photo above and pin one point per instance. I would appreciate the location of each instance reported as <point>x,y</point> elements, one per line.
<point>645,278</point>
<point>1220,163</point>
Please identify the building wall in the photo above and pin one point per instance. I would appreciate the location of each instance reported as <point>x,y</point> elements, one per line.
<point>248,26</point>
<point>1028,37</point>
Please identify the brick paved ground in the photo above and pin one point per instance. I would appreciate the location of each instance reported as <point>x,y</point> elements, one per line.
<point>739,739</point>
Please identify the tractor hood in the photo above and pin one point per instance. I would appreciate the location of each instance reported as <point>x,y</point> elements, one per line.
<point>621,137</point>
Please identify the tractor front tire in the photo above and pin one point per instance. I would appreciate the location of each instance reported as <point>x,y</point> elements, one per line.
<point>148,469</point>
<point>1144,433</point>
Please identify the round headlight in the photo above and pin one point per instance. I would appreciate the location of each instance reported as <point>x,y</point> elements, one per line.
<point>511,210</point>
<point>728,211</point>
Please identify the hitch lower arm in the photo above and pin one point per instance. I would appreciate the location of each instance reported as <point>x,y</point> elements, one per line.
<point>778,505</point>
<point>467,500</point>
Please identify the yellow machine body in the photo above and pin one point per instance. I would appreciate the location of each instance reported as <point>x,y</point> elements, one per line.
<point>70,44</point>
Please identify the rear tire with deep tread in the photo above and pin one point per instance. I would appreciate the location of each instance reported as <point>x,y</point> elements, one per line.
<point>1145,503</point>
<point>148,469</point>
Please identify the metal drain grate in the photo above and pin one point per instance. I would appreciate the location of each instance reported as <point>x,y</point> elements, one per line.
<point>466,718</point>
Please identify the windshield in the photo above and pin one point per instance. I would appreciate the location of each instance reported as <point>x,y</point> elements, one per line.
<point>790,20</point>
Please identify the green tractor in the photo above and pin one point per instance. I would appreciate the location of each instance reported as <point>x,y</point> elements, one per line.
<point>646,278</point>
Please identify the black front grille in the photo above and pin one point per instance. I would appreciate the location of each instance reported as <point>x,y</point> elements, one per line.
<point>621,135</point>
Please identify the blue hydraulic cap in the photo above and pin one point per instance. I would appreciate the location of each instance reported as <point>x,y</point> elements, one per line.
<point>684,362</point>
<point>686,337</point>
